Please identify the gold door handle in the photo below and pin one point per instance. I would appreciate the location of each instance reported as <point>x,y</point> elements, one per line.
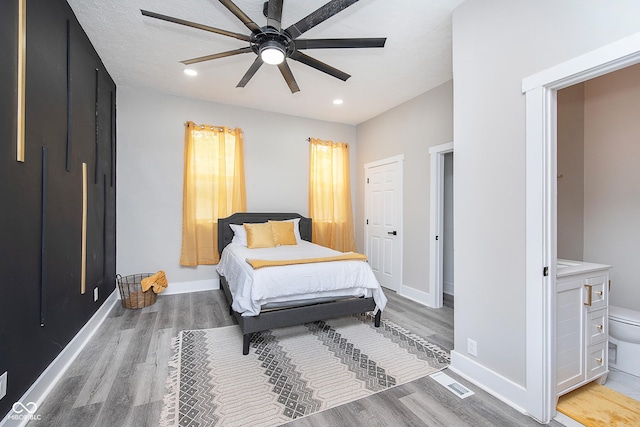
<point>599,293</point>
<point>599,327</point>
<point>589,294</point>
<point>599,360</point>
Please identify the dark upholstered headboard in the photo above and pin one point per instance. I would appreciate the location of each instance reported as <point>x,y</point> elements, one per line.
<point>225,234</point>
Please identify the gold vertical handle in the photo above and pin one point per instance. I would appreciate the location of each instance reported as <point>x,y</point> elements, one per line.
<point>589,295</point>
<point>22,79</point>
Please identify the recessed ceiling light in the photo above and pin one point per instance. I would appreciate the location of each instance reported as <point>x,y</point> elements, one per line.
<point>190,72</point>
<point>338,101</point>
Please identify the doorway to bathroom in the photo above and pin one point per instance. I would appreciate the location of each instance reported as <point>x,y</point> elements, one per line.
<point>541,208</point>
<point>598,182</point>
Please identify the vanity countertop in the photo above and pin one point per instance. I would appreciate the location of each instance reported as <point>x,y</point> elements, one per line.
<point>565,267</point>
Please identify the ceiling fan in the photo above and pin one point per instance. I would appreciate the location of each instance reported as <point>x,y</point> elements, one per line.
<point>273,45</point>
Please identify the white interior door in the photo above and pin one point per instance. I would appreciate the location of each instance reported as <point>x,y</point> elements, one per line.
<point>383,221</point>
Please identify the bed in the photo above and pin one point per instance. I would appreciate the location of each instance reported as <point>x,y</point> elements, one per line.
<point>303,309</point>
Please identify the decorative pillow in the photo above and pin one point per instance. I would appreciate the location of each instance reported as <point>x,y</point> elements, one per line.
<point>259,235</point>
<point>239,234</point>
<point>296,228</point>
<point>283,233</point>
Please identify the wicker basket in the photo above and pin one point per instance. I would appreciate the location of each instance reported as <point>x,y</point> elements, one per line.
<point>131,291</point>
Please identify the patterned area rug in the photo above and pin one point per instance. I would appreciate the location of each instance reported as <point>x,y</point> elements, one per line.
<point>289,372</point>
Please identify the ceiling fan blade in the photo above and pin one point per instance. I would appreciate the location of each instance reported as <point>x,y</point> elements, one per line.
<point>217,56</point>
<point>339,43</point>
<point>288,76</point>
<point>195,25</point>
<point>252,70</point>
<point>320,15</point>
<point>274,14</point>
<point>241,16</point>
<point>319,65</point>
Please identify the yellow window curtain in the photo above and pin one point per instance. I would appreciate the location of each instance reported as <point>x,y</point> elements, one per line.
<point>214,187</point>
<point>330,195</point>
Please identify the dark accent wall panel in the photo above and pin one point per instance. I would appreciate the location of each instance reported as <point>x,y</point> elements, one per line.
<point>14,235</point>
<point>41,218</point>
<point>68,158</point>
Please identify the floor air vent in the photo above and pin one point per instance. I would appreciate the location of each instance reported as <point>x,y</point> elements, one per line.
<point>452,385</point>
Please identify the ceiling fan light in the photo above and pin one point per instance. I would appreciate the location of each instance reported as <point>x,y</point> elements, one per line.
<point>272,53</point>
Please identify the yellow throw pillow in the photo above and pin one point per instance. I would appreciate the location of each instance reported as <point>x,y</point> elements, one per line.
<point>259,235</point>
<point>283,233</point>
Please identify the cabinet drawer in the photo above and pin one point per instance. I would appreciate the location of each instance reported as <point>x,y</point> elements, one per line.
<point>597,326</point>
<point>595,293</point>
<point>596,360</point>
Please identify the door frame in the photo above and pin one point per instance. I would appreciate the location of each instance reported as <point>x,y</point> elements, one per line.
<point>436,222</point>
<point>540,92</point>
<point>399,159</point>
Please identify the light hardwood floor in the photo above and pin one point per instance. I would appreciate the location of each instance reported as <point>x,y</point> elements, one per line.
<point>119,378</point>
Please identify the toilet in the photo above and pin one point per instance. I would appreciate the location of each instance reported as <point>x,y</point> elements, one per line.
<point>624,340</point>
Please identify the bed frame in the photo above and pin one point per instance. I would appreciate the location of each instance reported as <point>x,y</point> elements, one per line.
<point>289,316</point>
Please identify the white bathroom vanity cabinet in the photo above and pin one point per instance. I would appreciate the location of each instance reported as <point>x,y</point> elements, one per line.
<point>581,324</point>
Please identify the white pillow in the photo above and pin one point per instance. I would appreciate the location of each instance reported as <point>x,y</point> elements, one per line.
<point>296,228</point>
<point>239,234</point>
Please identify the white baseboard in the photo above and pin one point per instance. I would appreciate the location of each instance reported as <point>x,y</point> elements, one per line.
<point>415,295</point>
<point>195,286</point>
<point>493,383</point>
<point>175,288</point>
<point>447,288</point>
<point>52,374</point>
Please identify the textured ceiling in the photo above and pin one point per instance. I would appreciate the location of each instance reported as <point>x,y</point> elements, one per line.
<point>139,51</point>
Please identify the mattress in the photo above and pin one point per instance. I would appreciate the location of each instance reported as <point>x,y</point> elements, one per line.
<point>252,289</point>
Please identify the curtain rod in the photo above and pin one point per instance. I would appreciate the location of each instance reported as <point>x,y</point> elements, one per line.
<point>309,140</point>
<point>220,128</point>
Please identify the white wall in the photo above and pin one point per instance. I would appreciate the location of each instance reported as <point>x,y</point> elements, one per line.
<point>612,180</point>
<point>497,43</point>
<point>409,129</point>
<point>599,193</point>
<point>150,165</point>
<point>571,173</point>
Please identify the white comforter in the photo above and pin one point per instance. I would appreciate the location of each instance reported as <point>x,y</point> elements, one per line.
<point>253,288</point>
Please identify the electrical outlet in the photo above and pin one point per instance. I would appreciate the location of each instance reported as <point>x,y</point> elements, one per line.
<point>95,293</point>
<point>472,347</point>
<point>3,385</point>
